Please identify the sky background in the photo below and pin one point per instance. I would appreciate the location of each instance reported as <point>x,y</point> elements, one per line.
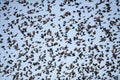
<point>57,25</point>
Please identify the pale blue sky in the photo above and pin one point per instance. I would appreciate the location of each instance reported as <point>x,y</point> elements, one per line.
<point>72,33</point>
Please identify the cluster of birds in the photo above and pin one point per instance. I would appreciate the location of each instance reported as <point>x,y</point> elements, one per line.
<point>59,39</point>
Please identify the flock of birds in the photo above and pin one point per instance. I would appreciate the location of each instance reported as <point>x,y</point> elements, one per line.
<point>59,39</point>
